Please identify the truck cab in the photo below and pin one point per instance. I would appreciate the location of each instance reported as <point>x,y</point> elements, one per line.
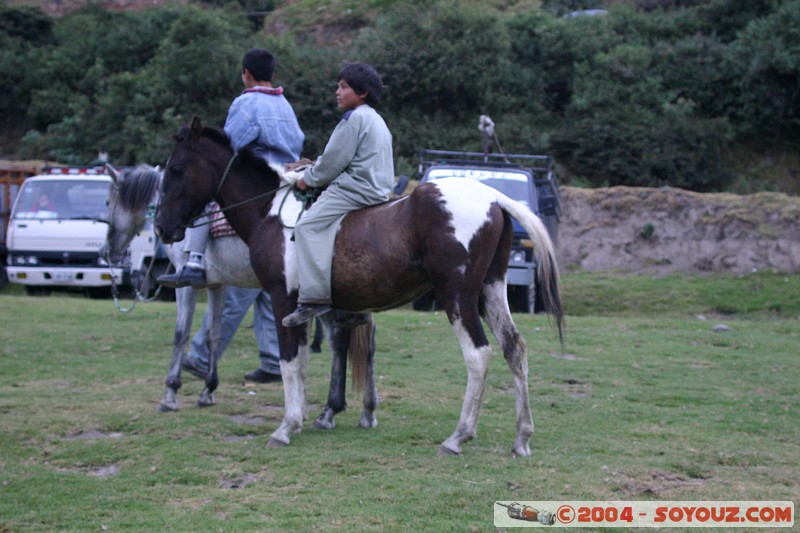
<point>528,179</point>
<point>56,228</point>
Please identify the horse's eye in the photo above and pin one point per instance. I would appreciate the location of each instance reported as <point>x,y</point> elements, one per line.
<point>176,169</point>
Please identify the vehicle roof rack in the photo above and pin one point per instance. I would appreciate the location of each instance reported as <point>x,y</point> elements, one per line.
<point>534,163</point>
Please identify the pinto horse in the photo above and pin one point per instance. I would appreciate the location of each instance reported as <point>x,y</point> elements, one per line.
<point>453,236</point>
<point>130,197</point>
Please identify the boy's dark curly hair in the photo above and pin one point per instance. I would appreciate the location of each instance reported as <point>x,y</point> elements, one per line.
<point>363,79</point>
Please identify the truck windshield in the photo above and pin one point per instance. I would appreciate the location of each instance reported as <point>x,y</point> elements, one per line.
<point>62,199</point>
<point>515,185</point>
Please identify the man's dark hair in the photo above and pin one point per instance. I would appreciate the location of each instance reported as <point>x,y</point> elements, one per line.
<point>363,79</point>
<point>260,63</point>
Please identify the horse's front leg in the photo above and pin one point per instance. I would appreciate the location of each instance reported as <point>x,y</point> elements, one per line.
<point>339,339</point>
<point>216,306</point>
<point>186,300</point>
<point>293,372</point>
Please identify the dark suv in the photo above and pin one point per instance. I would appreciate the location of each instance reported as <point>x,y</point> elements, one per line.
<point>529,179</point>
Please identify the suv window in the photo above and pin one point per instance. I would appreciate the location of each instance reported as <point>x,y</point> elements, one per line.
<point>514,184</point>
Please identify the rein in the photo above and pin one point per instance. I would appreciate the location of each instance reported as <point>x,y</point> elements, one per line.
<point>192,224</point>
<point>302,196</point>
<point>137,292</point>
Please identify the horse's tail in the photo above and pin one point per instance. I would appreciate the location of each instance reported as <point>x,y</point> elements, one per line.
<point>544,250</point>
<point>360,352</point>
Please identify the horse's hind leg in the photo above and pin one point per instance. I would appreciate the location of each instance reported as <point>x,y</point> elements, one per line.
<point>216,305</point>
<point>186,300</point>
<point>515,350</point>
<point>340,340</point>
<point>319,334</point>
<point>477,354</point>
<point>367,334</point>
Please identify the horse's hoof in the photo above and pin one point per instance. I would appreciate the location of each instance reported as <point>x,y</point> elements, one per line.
<point>275,443</point>
<point>202,403</point>
<point>166,408</point>
<point>444,451</point>
<point>368,422</point>
<point>318,424</point>
<point>521,452</point>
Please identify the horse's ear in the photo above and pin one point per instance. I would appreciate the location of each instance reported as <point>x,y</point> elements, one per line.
<point>113,173</point>
<point>196,128</point>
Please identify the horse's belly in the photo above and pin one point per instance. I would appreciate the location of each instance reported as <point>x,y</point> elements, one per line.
<point>228,263</point>
<point>376,288</point>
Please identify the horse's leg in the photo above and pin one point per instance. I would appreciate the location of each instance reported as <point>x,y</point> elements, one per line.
<point>186,300</point>
<point>319,334</point>
<point>515,350</point>
<point>368,419</point>
<point>339,339</point>
<point>216,304</point>
<point>477,354</point>
<point>295,410</point>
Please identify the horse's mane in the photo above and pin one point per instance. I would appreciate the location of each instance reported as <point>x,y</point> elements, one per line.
<point>247,158</point>
<point>138,187</point>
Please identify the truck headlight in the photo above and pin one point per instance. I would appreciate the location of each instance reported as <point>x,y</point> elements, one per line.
<point>102,262</point>
<point>518,256</point>
<point>26,260</point>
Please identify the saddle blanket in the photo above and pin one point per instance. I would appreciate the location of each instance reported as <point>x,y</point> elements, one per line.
<point>219,224</point>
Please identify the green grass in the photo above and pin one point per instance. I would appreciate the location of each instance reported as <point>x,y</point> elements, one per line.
<point>763,294</point>
<point>647,402</point>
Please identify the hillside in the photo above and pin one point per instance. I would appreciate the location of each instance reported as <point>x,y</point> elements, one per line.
<point>672,230</point>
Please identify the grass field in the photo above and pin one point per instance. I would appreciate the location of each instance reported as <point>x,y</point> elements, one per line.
<point>649,401</point>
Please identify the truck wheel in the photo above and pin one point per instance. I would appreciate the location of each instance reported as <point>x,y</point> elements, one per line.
<point>426,302</point>
<point>518,299</point>
<point>98,293</point>
<point>33,290</point>
<point>538,300</point>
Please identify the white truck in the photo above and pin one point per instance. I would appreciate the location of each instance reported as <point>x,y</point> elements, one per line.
<point>56,228</point>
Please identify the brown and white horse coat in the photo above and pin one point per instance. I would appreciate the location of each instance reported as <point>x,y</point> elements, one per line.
<point>452,235</point>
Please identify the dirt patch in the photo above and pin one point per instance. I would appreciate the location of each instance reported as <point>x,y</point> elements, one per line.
<point>248,420</point>
<point>653,483</point>
<point>673,230</point>
<point>83,435</point>
<point>240,481</point>
<point>104,471</point>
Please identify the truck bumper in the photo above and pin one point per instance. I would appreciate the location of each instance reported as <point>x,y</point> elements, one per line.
<point>521,275</point>
<point>64,277</point>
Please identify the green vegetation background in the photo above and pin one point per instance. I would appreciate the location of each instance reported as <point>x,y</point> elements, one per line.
<point>696,94</point>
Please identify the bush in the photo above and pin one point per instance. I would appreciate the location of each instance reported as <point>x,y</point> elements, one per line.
<point>130,79</point>
<point>764,61</point>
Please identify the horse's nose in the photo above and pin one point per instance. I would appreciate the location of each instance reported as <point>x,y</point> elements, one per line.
<point>160,233</point>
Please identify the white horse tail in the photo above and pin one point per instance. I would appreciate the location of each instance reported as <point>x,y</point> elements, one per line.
<point>544,251</point>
